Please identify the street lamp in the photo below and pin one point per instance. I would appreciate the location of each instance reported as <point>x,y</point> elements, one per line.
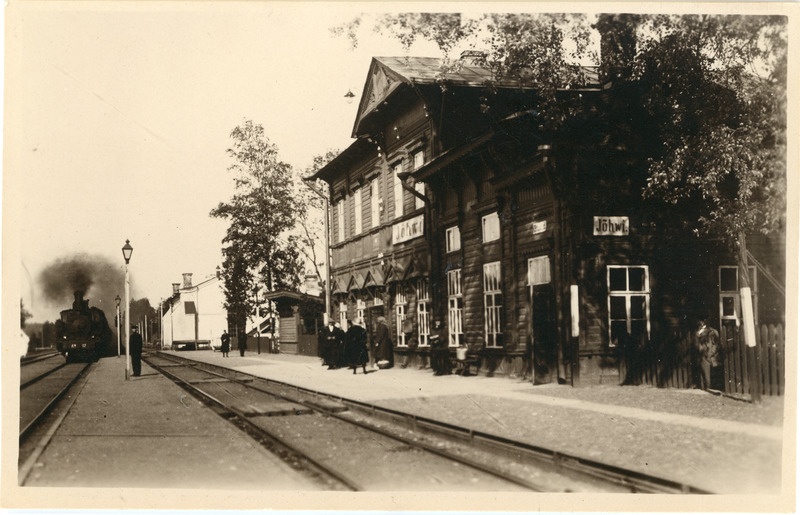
<point>127,250</point>
<point>118,300</point>
<point>324,197</point>
<point>349,97</point>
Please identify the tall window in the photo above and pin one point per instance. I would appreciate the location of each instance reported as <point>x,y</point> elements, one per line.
<point>538,270</point>
<point>398,191</point>
<point>493,304</point>
<point>491,227</point>
<point>375,202</point>
<point>400,304</point>
<point>358,211</point>
<point>343,314</point>
<point>360,307</point>
<point>423,312</point>
<point>455,308</point>
<point>729,297</point>
<point>419,160</point>
<point>453,236</point>
<point>340,220</point>
<point>628,304</point>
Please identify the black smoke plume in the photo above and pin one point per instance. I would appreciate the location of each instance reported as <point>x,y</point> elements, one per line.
<point>97,277</point>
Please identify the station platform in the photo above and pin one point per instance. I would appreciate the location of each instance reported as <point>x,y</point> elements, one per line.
<point>695,437</point>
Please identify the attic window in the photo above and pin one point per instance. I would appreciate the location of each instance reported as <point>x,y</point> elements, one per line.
<point>189,308</point>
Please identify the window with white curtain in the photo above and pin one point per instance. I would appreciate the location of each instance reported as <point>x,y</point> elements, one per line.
<point>357,207</point>
<point>491,227</point>
<point>453,239</point>
<point>398,191</point>
<point>493,304</point>
<point>423,312</point>
<point>375,202</point>
<point>455,308</point>
<point>340,220</point>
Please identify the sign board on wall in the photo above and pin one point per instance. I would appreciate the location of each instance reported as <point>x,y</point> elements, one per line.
<point>538,227</point>
<point>408,229</point>
<point>611,226</point>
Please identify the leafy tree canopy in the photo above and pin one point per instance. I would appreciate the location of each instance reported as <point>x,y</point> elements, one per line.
<point>258,256</point>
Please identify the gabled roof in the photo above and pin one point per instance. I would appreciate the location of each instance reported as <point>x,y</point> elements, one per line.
<point>387,74</point>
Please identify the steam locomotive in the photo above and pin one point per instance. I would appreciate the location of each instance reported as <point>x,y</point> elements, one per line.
<point>83,333</point>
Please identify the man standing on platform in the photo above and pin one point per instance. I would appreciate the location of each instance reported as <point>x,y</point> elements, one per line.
<point>135,346</point>
<point>226,343</point>
<point>242,339</point>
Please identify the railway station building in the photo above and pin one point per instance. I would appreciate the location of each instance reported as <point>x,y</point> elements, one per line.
<point>534,249</point>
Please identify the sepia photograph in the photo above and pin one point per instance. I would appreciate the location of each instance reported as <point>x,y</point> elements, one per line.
<point>415,257</point>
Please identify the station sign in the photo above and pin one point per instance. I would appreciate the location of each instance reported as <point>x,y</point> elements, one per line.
<point>611,226</point>
<point>539,227</point>
<point>408,229</point>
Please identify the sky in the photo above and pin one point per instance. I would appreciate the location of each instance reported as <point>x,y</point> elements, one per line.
<point>118,117</point>
<point>118,114</point>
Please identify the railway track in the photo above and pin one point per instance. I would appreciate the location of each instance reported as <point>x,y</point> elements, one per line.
<point>45,388</point>
<point>350,445</point>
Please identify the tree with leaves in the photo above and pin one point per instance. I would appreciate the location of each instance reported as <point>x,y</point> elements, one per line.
<point>258,255</point>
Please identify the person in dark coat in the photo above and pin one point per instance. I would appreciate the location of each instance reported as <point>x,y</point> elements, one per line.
<point>384,353</point>
<point>331,340</point>
<point>226,343</point>
<point>355,344</point>
<point>440,360</point>
<point>135,345</point>
<point>408,330</point>
<point>708,354</point>
<point>338,352</point>
<point>242,339</point>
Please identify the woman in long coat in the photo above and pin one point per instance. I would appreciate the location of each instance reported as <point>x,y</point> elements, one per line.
<point>384,353</point>
<point>355,346</point>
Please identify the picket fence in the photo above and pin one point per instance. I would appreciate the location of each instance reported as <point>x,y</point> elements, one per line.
<point>670,366</point>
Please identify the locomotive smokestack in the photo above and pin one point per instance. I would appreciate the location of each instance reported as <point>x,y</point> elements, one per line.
<point>79,304</point>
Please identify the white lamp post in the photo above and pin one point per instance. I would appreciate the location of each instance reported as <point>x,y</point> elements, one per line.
<point>313,187</point>
<point>127,250</point>
<point>118,300</point>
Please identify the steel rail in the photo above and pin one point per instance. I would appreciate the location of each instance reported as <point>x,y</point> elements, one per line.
<point>29,382</point>
<point>25,431</point>
<point>481,467</point>
<point>254,430</point>
<point>636,482</point>
<point>26,467</point>
<point>27,360</point>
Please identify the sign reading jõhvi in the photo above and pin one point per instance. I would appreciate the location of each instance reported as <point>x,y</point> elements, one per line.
<point>611,226</point>
<point>408,229</point>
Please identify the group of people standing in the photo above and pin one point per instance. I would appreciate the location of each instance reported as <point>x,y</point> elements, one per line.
<point>226,343</point>
<point>350,349</point>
